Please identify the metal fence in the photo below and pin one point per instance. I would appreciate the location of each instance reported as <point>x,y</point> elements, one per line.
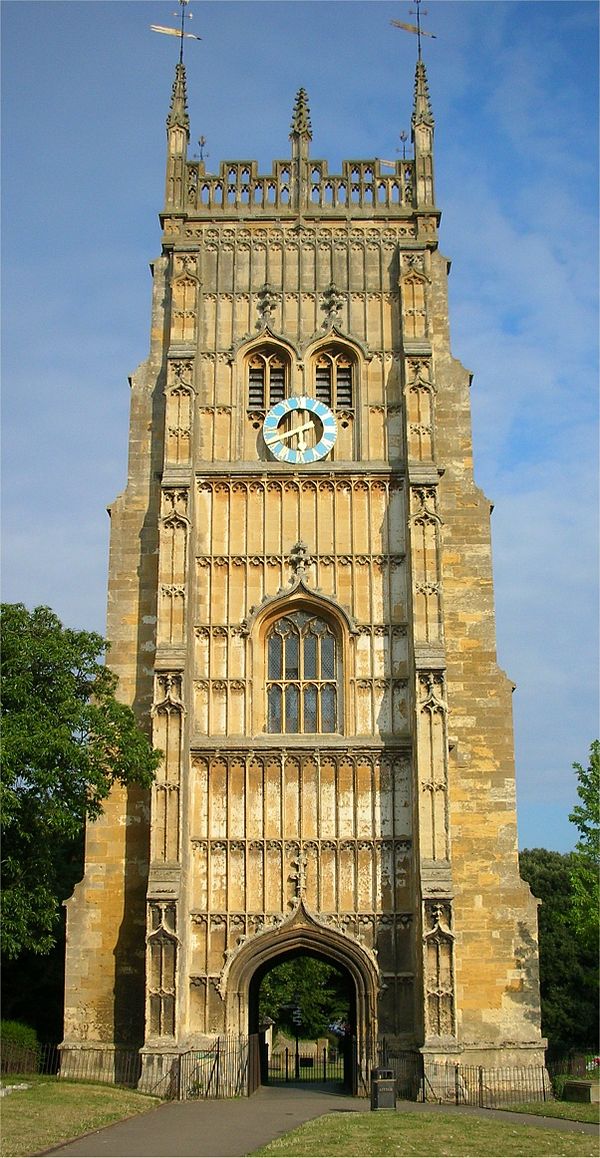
<point>118,1067</point>
<point>406,1065</point>
<point>480,1086</point>
<point>289,1065</point>
<point>227,1069</point>
<point>231,1066</point>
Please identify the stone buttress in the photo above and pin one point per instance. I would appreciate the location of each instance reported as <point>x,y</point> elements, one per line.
<point>373,823</point>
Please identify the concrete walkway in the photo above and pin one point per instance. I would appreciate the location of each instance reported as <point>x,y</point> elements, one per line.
<point>237,1126</point>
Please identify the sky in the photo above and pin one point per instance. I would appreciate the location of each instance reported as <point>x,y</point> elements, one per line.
<point>514,88</point>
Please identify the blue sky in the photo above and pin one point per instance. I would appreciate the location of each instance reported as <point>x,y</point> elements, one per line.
<point>86,89</point>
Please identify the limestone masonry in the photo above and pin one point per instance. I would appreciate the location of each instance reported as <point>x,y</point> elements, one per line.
<point>301,612</point>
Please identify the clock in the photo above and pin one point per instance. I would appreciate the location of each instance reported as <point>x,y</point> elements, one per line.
<point>300,430</point>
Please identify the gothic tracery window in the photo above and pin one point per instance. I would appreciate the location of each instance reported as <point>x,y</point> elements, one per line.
<point>334,370</point>
<point>302,669</point>
<point>267,378</point>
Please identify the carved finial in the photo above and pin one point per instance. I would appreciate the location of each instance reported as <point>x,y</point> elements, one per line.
<point>433,689</point>
<point>333,301</point>
<point>299,877</point>
<point>421,374</point>
<point>300,558</point>
<point>301,116</point>
<point>178,114</point>
<point>168,696</point>
<point>267,301</point>
<point>422,114</point>
<point>437,914</point>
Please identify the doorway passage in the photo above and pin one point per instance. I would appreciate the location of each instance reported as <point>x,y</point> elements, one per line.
<point>303,1005</point>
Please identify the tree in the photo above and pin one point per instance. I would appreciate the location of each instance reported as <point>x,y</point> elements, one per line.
<point>585,861</point>
<point>319,989</point>
<point>568,993</point>
<point>66,742</point>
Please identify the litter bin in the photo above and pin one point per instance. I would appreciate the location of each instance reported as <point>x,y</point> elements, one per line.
<point>383,1090</point>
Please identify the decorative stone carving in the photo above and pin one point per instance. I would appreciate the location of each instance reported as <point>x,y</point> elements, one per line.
<point>439,964</point>
<point>332,304</point>
<point>168,695</point>
<point>426,501</point>
<point>300,558</point>
<point>432,692</point>
<point>267,301</point>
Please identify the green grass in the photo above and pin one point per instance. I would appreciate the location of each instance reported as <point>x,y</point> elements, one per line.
<point>52,1111</point>
<point>571,1111</point>
<point>427,1135</point>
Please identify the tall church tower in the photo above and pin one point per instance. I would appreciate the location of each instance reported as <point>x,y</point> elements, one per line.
<point>301,611</point>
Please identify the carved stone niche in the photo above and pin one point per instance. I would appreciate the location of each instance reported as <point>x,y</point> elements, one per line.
<point>438,939</point>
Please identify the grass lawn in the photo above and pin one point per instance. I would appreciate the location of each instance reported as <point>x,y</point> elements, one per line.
<point>427,1135</point>
<point>573,1111</point>
<point>51,1112</point>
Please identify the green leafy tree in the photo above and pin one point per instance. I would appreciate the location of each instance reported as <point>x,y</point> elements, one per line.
<point>319,989</point>
<point>66,742</point>
<point>585,861</point>
<point>567,990</point>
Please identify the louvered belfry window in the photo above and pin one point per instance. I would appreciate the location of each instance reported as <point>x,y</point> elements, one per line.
<point>267,376</point>
<point>333,379</point>
<point>302,686</point>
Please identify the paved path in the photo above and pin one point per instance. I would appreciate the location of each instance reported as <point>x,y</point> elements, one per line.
<point>237,1126</point>
<point>212,1129</point>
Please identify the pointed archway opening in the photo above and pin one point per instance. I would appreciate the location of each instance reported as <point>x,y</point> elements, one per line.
<point>304,934</point>
<point>303,1006</point>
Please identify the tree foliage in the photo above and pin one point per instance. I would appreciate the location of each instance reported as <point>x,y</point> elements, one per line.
<point>585,861</point>
<point>66,742</point>
<point>319,989</point>
<point>567,988</point>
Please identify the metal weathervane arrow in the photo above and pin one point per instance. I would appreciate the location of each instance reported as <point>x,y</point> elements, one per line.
<point>416,28</point>
<point>180,32</point>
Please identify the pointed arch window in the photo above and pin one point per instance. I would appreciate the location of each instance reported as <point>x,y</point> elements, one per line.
<point>302,675</point>
<point>334,374</point>
<point>268,376</point>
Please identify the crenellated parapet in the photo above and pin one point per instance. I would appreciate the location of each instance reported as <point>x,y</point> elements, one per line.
<point>366,186</point>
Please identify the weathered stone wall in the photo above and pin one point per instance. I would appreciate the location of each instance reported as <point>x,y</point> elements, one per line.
<point>494,913</point>
<point>388,846</point>
<point>104,984</point>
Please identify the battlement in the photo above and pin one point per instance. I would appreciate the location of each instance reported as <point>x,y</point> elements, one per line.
<point>362,185</point>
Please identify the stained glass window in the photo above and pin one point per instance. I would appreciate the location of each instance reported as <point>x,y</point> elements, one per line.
<point>302,675</point>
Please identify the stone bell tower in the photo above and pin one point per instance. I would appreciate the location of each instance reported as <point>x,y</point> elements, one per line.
<point>301,611</point>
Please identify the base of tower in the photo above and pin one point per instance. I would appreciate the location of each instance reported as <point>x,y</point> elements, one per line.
<point>98,1061</point>
<point>486,1075</point>
<point>161,1072</point>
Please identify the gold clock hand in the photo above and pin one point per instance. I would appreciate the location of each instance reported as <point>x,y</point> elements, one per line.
<point>288,433</point>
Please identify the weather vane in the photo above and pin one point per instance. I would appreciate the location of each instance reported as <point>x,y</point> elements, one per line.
<point>416,28</point>
<point>180,32</point>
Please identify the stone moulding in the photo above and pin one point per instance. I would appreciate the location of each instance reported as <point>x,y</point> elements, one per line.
<point>298,587</point>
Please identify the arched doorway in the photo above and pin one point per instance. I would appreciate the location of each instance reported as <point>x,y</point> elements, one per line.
<point>304,934</point>
<point>303,1006</point>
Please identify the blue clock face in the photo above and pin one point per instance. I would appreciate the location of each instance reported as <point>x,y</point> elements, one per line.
<point>300,430</point>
